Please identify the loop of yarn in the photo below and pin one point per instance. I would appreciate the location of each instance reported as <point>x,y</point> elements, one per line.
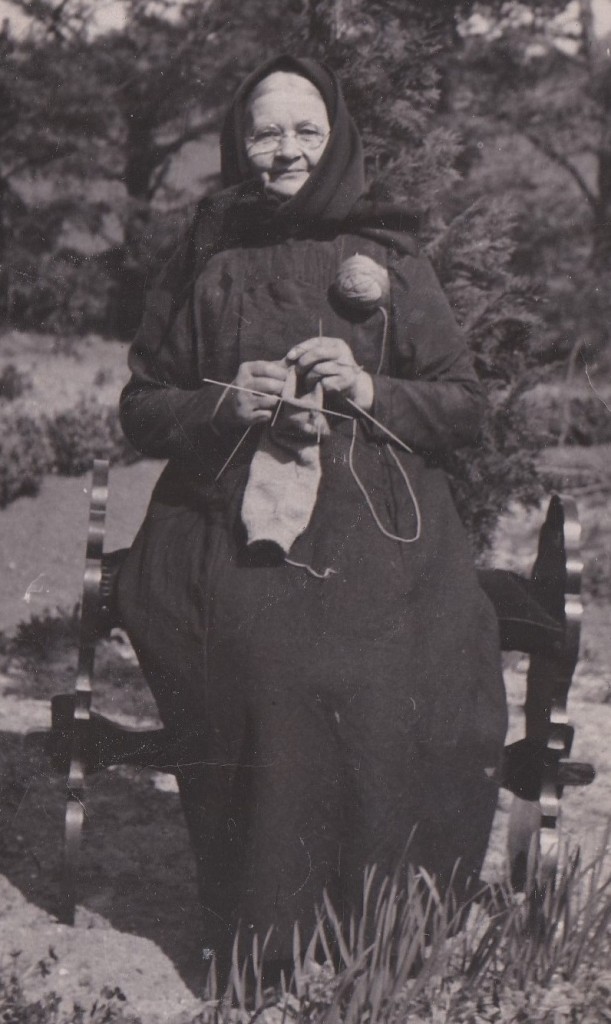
<point>364,492</point>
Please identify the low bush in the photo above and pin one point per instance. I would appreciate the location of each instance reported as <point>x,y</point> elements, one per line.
<point>25,452</point>
<point>13,383</point>
<point>41,637</point>
<point>17,1008</point>
<point>62,292</point>
<point>87,431</point>
<point>486,480</point>
<point>32,444</point>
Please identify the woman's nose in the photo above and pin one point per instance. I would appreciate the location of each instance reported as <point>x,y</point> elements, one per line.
<point>288,148</point>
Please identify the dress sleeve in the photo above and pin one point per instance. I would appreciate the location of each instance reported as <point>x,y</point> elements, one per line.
<point>433,400</point>
<point>165,410</point>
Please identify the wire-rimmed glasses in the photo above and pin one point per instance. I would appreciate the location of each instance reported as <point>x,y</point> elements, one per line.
<point>309,137</point>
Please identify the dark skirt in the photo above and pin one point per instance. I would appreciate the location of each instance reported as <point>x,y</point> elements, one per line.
<point>335,722</point>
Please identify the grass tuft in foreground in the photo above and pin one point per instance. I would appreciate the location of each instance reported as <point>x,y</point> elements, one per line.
<point>537,958</point>
<point>542,957</point>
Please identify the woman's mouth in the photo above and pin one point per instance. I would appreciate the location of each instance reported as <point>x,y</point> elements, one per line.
<point>286,174</point>
<point>290,178</point>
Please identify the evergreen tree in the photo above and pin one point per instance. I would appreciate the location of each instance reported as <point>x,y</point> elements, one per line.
<point>43,125</point>
<point>538,91</point>
<point>101,119</point>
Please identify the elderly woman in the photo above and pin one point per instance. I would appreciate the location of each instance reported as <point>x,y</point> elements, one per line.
<point>301,594</point>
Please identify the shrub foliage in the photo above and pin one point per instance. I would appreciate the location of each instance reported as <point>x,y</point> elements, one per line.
<point>86,432</point>
<point>25,452</point>
<point>14,383</point>
<point>32,444</point>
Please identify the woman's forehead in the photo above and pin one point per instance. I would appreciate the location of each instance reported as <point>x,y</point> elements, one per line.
<point>284,80</point>
<point>283,93</point>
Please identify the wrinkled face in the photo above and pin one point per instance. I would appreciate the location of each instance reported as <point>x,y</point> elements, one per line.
<point>287,131</point>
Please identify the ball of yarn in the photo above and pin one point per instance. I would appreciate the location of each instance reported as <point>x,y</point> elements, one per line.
<point>362,283</point>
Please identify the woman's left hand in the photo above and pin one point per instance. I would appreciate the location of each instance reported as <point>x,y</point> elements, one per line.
<point>330,361</point>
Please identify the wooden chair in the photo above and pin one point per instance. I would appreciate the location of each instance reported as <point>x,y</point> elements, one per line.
<point>540,616</point>
<point>546,625</point>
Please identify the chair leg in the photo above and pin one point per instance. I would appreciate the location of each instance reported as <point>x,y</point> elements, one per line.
<point>557,572</point>
<point>523,840</point>
<point>80,731</point>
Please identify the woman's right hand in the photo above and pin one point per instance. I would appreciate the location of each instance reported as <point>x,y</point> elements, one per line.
<point>243,408</point>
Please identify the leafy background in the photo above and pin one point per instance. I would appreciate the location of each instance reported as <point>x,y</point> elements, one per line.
<point>490,121</point>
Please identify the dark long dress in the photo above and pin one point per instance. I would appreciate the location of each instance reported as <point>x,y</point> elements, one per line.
<point>333,714</point>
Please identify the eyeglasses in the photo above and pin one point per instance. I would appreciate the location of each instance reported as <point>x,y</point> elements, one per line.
<point>265,140</point>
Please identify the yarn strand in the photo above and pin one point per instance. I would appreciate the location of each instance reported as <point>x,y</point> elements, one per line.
<point>324,575</point>
<point>393,437</point>
<point>363,490</point>
<point>384,340</point>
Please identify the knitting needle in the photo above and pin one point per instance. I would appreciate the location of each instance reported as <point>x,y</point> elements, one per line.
<point>277,412</point>
<point>381,426</point>
<point>229,457</point>
<point>297,403</point>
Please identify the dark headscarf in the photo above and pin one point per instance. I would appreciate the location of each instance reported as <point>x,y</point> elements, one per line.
<point>338,179</point>
<point>331,201</point>
<point>333,197</point>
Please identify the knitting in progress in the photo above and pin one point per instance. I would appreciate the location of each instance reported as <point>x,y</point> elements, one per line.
<point>285,472</point>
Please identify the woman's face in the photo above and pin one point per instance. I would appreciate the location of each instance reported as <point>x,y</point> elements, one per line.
<point>288,129</point>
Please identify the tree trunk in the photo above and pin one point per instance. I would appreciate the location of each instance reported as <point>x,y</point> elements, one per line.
<point>601,242</point>
<point>140,160</point>
<point>597,40</point>
<point>127,267</point>
<point>125,263</point>
<point>4,270</point>
<point>326,21</point>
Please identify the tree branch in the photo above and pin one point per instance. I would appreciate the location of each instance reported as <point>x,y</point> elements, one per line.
<point>159,176</point>
<point>32,163</point>
<point>63,25</point>
<point>548,150</point>
<point>162,151</point>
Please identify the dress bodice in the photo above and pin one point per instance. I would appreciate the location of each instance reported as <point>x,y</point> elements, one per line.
<point>255,303</point>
